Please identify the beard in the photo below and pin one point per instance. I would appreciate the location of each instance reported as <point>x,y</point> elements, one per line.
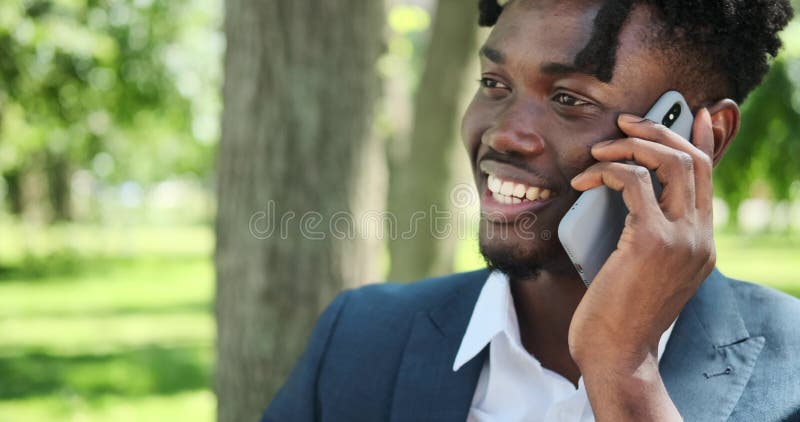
<point>509,261</point>
<point>517,259</point>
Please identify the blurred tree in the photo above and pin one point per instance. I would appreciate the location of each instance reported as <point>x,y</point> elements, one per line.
<point>299,93</point>
<point>768,145</point>
<point>420,174</point>
<point>96,78</point>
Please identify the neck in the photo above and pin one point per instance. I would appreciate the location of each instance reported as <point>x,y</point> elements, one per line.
<point>544,305</point>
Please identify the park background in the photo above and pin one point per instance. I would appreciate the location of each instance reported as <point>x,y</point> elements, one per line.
<point>111,126</point>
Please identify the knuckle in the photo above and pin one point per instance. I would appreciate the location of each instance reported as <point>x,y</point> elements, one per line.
<point>639,173</point>
<point>707,249</point>
<point>636,141</point>
<point>669,244</point>
<point>686,160</point>
<point>641,144</point>
<point>712,259</point>
<point>704,161</point>
<point>660,241</point>
<point>661,129</point>
<point>701,247</point>
<point>655,237</point>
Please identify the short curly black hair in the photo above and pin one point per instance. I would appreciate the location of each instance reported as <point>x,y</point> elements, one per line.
<point>731,38</point>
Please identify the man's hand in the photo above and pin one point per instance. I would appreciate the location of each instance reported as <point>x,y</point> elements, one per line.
<point>665,252</point>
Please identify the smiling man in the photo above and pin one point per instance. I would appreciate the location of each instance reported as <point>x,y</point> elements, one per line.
<point>660,334</point>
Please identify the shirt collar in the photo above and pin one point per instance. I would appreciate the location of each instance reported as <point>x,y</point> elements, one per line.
<point>494,313</point>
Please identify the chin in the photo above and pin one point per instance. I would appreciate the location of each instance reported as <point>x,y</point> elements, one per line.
<point>517,257</point>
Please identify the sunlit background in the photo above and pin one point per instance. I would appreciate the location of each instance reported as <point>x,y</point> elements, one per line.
<point>109,122</point>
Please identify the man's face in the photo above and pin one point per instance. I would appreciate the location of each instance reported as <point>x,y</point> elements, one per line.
<point>531,124</point>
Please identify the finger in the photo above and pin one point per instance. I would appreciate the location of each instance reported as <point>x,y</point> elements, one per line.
<point>632,180</point>
<point>673,169</point>
<point>637,127</point>
<point>702,135</point>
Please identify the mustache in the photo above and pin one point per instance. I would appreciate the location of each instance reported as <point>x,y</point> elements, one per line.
<point>493,155</point>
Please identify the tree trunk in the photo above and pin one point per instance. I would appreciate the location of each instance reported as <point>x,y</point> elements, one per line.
<point>295,158</point>
<point>14,191</point>
<point>34,191</point>
<point>58,178</point>
<point>421,175</point>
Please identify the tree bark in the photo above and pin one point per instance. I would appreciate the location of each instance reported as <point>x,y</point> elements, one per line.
<point>58,177</point>
<point>14,193</point>
<point>421,174</point>
<point>296,147</point>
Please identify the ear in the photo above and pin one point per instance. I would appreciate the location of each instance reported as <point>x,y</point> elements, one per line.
<point>725,120</point>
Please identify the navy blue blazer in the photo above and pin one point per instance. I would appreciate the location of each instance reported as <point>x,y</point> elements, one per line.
<point>385,352</point>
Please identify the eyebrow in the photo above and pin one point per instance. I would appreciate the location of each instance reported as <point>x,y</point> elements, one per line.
<point>493,55</point>
<point>562,69</point>
<point>554,68</point>
<point>548,68</point>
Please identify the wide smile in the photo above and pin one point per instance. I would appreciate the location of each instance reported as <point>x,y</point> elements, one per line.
<point>510,192</point>
<point>507,197</point>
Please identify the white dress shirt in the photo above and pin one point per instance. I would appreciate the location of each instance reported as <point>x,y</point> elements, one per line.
<point>513,384</point>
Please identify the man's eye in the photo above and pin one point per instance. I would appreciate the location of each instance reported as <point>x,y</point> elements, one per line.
<point>569,100</point>
<point>491,83</point>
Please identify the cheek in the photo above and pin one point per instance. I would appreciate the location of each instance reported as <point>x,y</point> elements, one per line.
<point>575,155</point>
<point>473,124</point>
<point>575,160</point>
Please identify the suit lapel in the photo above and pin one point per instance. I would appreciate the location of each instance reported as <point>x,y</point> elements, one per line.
<point>710,354</point>
<point>427,389</point>
<point>706,365</point>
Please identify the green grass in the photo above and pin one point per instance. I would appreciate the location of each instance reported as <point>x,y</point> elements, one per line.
<point>189,406</point>
<point>771,260</point>
<point>101,324</point>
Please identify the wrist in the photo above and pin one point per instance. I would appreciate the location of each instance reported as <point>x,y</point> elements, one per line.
<point>619,391</point>
<point>622,377</point>
<point>622,352</point>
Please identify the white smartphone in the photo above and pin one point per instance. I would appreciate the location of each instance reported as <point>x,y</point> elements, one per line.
<point>591,229</point>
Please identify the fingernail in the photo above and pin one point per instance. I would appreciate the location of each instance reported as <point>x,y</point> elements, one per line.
<point>630,118</point>
<point>602,144</point>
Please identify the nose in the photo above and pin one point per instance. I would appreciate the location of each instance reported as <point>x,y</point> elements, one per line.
<point>514,131</point>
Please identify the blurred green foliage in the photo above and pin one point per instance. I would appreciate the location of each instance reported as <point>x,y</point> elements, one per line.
<point>767,149</point>
<point>768,145</point>
<point>125,89</point>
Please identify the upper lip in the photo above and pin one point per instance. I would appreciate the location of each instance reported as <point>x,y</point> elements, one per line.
<point>511,172</point>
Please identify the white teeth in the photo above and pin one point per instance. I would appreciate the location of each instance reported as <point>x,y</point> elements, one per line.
<point>519,191</point>
<point>494,183</point>
<point>503,199</point>
<point>508,192</point>
<point>532,194</point>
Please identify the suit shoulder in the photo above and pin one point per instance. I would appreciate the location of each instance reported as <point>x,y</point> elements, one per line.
<point>414,296</point>
<point>771,392</point>
<point>767,311</point>
<point>765,298</point>
<point>374,326</point>
<point>388,309</point>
